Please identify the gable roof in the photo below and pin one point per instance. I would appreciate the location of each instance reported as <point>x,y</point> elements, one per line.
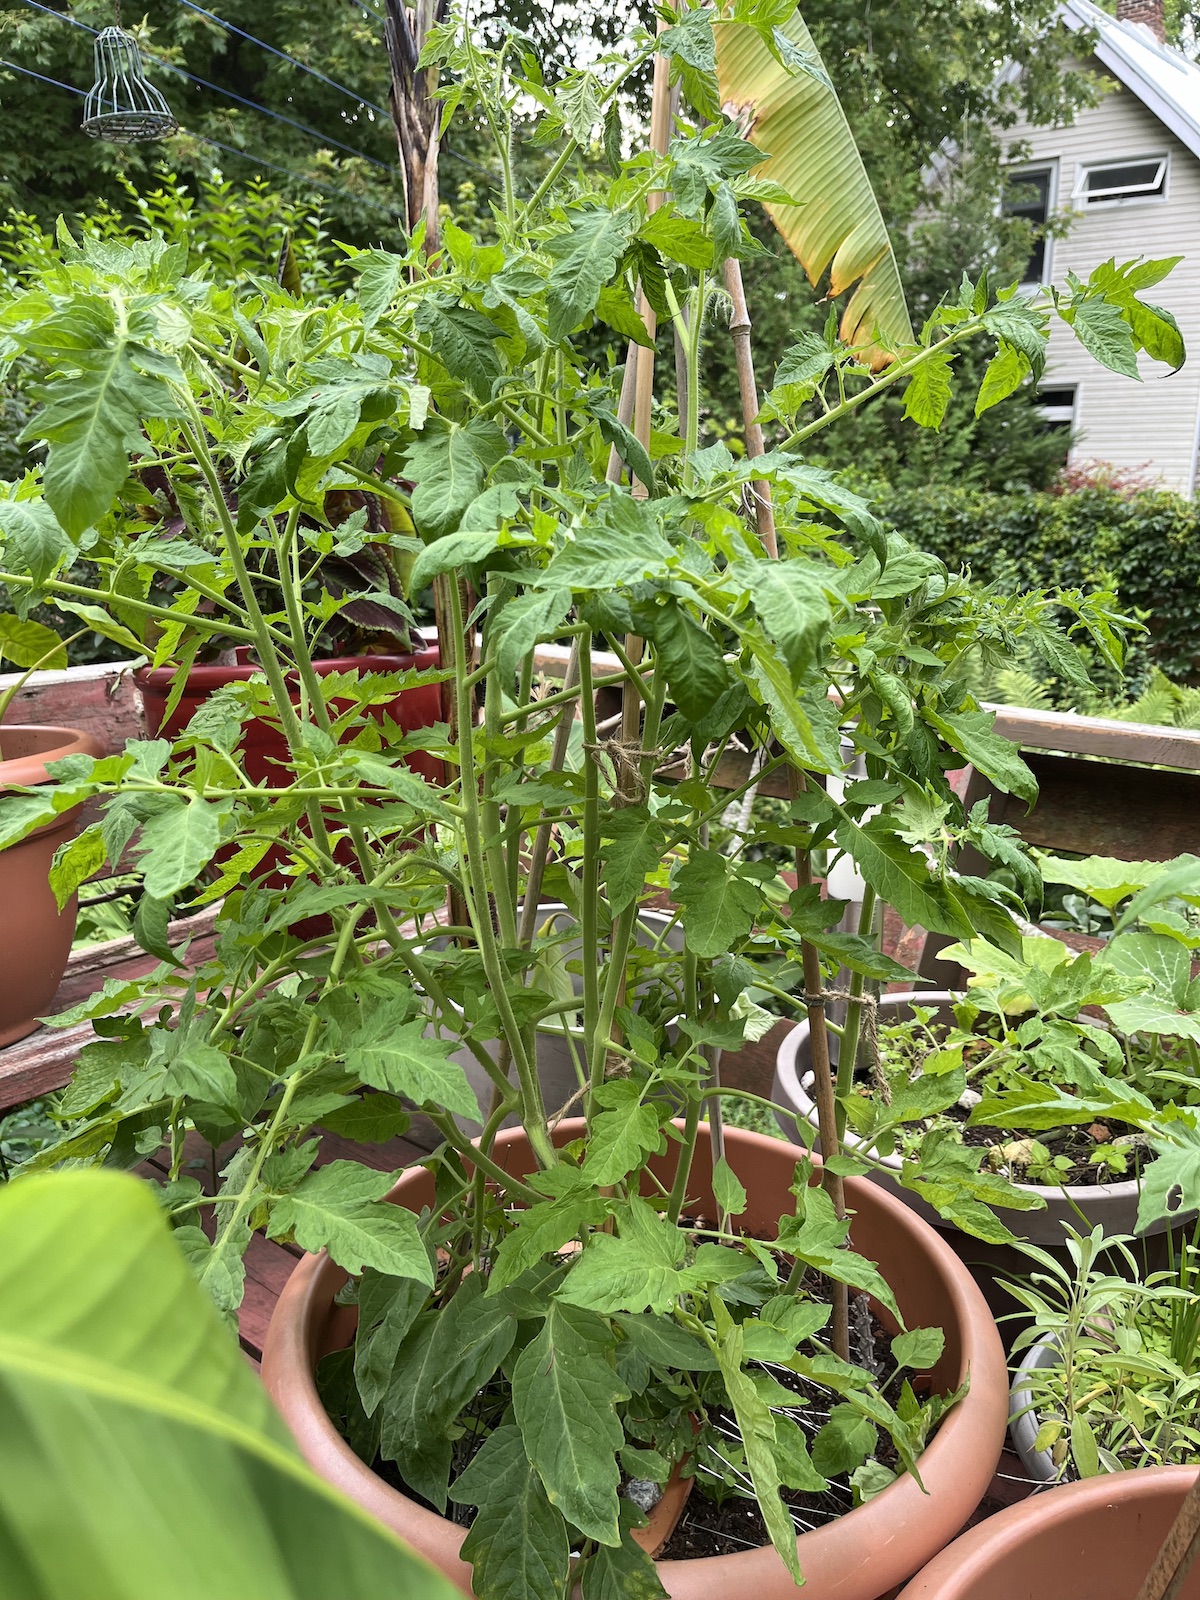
<point>1165,80</point>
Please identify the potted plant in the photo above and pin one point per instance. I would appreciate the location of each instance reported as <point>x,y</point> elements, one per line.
<point>1062,1070</point>
<point>39,924</point>
<point>1110,1363</point>
<point>551,1250</point>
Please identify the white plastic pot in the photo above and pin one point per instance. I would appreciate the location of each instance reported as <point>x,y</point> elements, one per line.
<point>1023,1420</point>
<point>559,1048</point>
<point>1112,1205</point>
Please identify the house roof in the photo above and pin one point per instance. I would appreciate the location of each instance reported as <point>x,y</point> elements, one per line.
<point>1165,80</point>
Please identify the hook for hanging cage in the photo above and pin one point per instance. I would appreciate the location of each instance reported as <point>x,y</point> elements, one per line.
<point>123,106</point>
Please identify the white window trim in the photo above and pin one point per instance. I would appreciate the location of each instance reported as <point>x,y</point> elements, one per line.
<point>1079,194</point>
<point>1076,393</point>
<point>1028,169</point>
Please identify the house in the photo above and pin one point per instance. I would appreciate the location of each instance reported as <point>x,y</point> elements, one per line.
<point>1127,170</point>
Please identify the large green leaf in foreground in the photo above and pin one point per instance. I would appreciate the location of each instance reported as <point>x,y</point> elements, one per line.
<point>139,1454</point>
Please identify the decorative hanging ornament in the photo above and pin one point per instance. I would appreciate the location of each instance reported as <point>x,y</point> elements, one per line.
<point>123,106</point>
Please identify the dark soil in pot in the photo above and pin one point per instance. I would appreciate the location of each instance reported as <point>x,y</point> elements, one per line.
<point>1112,1204</point>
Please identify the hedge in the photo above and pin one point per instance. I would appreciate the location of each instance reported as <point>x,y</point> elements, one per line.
<point>1145,546</point>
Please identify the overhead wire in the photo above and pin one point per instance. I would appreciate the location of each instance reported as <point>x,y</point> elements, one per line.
<point>313,133</point>
<point>217,144</point>
<point>229,94</point>
<point>231,27</point>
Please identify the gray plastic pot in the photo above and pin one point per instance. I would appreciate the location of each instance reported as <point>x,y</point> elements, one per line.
<point>558,1048</point>
<point>1023,1420</point>
<point>1112,1205</point>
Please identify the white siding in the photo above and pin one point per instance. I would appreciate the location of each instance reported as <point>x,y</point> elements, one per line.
<point>1152,424</point>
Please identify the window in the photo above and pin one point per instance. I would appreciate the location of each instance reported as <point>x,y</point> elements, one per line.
<point>1118,182</point>
<point>1057,407</point>
<point>1028,195</point>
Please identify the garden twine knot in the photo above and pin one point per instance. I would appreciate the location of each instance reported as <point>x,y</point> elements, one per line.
<point>622,759</point>
<point>868,1038</point>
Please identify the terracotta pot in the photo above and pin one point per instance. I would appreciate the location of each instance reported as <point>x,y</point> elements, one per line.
<point>1093,1540</point>
<point>859,1557</point>
<point>35,936</point>
<point>1112,1205</point>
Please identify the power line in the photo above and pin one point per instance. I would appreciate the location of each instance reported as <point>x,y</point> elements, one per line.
<point>283,56</point>
<point>245,155</point>
<point>229,94</point>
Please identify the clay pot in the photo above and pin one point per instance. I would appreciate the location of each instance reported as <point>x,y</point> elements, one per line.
<point>1093,1540</point>
<point>1112,1205</point>
<point>35,936</point>
<point>861,1556</point>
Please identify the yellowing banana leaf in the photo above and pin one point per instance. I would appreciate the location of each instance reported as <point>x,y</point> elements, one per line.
<point>794,116</point>
<point>139,1455</point>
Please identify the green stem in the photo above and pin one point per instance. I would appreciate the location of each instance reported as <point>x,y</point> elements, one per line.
<point>144,608</point>
<point>898,370</point>
<point>848,1048</point>
<point>533,1110</point>
<point>589,895</point>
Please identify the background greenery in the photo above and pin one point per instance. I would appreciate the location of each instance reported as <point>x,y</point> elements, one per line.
<point>1145,544</point>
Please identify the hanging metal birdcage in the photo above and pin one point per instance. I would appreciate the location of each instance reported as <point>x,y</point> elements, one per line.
<point>123,106</point>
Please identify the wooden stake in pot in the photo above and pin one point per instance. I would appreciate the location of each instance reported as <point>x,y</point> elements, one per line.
<point>823,1092</point>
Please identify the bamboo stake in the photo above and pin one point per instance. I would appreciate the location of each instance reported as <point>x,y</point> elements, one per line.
<point>740,327</point>
<point>1178,1553</point>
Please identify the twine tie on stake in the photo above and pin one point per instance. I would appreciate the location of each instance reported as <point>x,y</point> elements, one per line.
<point>624,762</point>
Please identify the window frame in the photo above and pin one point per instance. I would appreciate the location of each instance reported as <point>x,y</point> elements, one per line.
<point>1021,173</point>
<point>1046,410</point>
<point>1138,197</point>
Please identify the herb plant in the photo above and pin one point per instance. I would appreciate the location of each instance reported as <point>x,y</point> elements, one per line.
<point>727,600</point>
<point>1121,1391</point>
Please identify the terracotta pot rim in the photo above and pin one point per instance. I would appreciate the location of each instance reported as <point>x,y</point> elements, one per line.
<point>794,1084</point>
<point>28,771</point>
<point>954,1573</point>
<point>958,1463</point>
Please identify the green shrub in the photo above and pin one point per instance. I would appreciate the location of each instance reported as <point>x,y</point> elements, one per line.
<point>1144,545</point>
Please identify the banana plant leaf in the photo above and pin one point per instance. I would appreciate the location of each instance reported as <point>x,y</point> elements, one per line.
<point>792,113</point>
<point>139,1454</point>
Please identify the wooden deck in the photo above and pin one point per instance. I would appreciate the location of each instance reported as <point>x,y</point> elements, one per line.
<point>269,1265</point>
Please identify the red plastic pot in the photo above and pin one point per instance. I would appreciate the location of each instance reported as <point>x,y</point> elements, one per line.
<point>1093,1540</point>
<point>860,1557</point>
<point>35,936</point>
<point>264,748</point>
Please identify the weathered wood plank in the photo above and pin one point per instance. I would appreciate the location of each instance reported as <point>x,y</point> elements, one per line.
<point>102,700</point>
<point>46,1059</point>
<point>1101,808</point>
<point>1141,743</point>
